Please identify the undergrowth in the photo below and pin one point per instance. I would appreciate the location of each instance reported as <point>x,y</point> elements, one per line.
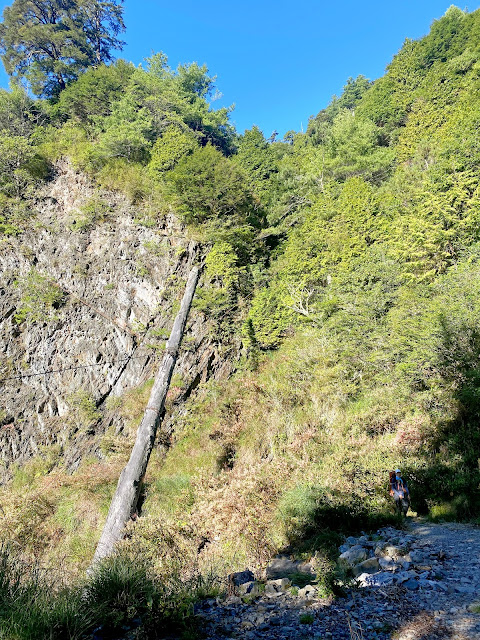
<point>121,594</point>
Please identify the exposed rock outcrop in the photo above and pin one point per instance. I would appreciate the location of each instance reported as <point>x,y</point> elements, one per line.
<point>121,281</point>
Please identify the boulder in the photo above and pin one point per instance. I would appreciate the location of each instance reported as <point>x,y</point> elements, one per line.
<point>370,565</point>
<point>241,577</point>
<point>375,580</point>
<point>309,592</point>
<point>282,584</point>
<point>353,556</point>
<point>393,552</point>
<point>249,588</point>
<point>283,566</point>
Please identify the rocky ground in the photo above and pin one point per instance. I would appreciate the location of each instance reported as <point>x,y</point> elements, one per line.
<point>419,584</point>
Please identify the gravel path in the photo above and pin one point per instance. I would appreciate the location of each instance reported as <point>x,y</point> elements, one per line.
<point>460,572</point>
<point>435,603</point>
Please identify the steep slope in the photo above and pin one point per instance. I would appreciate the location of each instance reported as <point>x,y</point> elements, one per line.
<point>89,294</point>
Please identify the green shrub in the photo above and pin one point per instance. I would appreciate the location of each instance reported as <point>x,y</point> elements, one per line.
<point>210,187</point>
<point>168,150</point>
<point>306,618</point>
<point>34,604</point>
<point>94,211</point>
<point>83,408</point>
<point>40,298</point>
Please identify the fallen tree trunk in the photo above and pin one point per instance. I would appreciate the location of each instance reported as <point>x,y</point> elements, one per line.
<point>124,502</point>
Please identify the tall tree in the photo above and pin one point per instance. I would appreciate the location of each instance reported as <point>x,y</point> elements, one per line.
<point>102,23</point>
<point>49,42</point>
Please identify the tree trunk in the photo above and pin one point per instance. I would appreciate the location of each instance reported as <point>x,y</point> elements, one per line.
<point>126,496</point>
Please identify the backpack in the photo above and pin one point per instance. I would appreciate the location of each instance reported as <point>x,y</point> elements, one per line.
<point>392,475</point>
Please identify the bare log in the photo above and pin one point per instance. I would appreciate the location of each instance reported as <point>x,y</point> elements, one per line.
<point>124,502</point>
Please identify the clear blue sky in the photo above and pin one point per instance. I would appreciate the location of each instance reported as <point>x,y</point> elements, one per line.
<point>278,61</point>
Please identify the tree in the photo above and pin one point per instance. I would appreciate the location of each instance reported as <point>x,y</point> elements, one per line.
<point>258,160</point>
<point>125,500</point>
<point>211,187</point>
<point>102,23</point>
<point>50,42</point>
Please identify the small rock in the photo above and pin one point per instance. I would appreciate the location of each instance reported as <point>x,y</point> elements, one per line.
<point>309,592</point>
<point>387,564</point>
<point>246,624</point>
<point>393,552</point>
<point>241,577</point>
<point>281,584</point>
<point>423,567</point>
<point>464,589</point>
<point>411,584</point>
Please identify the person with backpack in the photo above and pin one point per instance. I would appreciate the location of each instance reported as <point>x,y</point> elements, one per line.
<point>399,491</point>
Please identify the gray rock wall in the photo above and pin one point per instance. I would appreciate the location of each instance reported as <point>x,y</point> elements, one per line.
<point>122,282</point>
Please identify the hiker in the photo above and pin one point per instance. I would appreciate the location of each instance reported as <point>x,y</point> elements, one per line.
<point>399,491</point>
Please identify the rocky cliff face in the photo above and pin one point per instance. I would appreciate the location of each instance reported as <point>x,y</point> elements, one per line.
<point>98,291</point>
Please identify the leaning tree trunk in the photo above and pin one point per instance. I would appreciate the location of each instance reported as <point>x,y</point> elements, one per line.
<point>126,496</point>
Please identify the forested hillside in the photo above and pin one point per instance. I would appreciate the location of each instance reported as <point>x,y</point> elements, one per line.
<point>341,277</point>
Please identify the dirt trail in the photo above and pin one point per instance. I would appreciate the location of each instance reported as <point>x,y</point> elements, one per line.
<point>431,596</point>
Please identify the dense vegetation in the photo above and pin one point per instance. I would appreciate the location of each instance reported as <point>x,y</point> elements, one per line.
<point>347,261</point>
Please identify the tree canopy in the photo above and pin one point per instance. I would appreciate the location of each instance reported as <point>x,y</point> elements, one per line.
<point>49,43</point>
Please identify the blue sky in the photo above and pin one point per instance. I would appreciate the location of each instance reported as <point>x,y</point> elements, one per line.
<point>278,61</point>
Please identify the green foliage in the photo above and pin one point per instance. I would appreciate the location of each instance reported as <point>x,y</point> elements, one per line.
<point>51,43</point>
<point>37,605</point>
<point>259,162</point>
<point>84,408</point>
<point>92,95</point>
<point>171,148</point>
<point>94,211</point>
<point>20,166</point>
<point>222,265</point>
<point>268,318</point>
<point>306,618</point>
<point>40,298</point>
<point>19,114</point>
<point>210,187</point>
<point>357,307</point>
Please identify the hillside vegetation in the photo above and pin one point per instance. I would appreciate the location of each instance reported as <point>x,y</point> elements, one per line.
<point>347,261</point>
